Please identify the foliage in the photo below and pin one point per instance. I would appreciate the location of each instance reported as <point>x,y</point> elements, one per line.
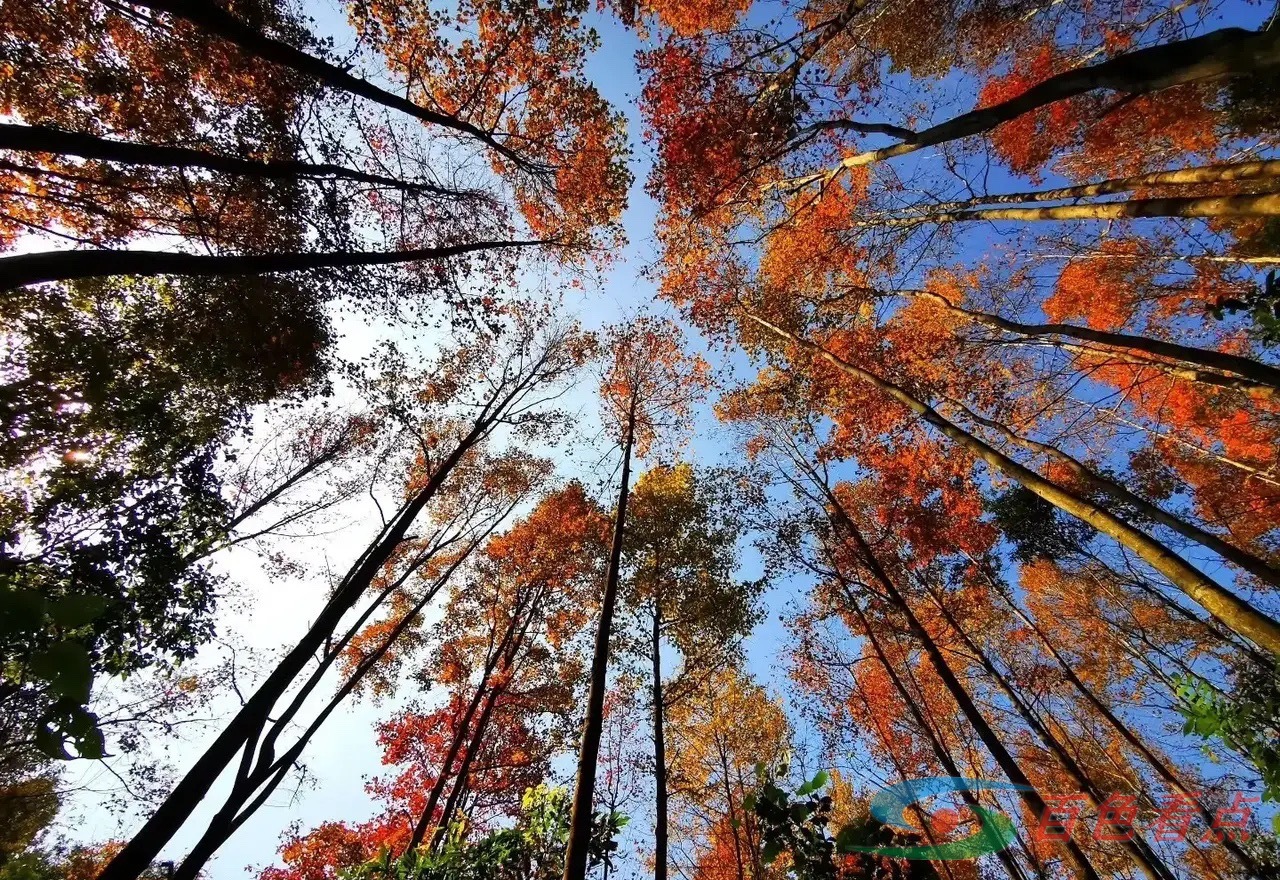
<point>1036,528</point>
<point>1247,719</point>
<point>119,401</point>
<point>531,850</point>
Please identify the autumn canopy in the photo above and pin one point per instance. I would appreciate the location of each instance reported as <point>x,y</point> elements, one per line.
<point>540,440</point>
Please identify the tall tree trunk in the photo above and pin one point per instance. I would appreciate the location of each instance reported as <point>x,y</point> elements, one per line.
<point>734,823</point>
<point>1213,56</point>
<point>460,780</point>
<point>1007,763</point>
<point>242,734</point>
<point>1200,174</point>
<point>576,855</point>
<point>1228,551</point>
<point>659,751</point>
<point>1157,763</point>
<point>1256,205</point>
<point>216,20</point>
<point>1256,371</point>
<point>46,139</point>
<point>460,736</point>
<point>1228,608</point>
<point>25,269</point>
<point>909,700</point>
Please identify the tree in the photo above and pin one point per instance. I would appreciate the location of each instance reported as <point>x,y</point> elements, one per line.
<point>254,194</point>
<point>648,388</point>
<point>120,403</point>
<point>719,735</point>
<point>680,557</point>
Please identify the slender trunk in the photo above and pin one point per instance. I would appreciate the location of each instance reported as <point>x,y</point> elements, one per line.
<point>659,752</point>
<point>1136,742</point>
<point>46,139</point>
<point>1199,174</point>
<point>460,780</point>
<point>1228,608</point>
<point>1141,855</point>
<point>215,20</point>
<point>1258,205</point>
<point>1255,371</point>
<point>1098,357</point>
<point>1213,56</point>
<point>25,269</point>
<point>1230,552</point>
<point>575,861</point>
<point>265,774</point>
<point>734,823</point>
<point>1007,763</point>
<point>1253,473</point>
<point>460,736</point>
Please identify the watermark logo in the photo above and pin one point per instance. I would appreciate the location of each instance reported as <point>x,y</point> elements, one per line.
<point>994,833</point>
<point>1062,813</point>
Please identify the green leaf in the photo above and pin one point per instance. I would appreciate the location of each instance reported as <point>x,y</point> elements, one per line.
<point>67,668</point>
<point>749,803</point>
<point>74,611</point>
<point>21,611</point>
<point>817,782</point>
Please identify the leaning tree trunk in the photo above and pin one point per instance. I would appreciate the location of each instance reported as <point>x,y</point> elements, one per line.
<point>1229,609</point>
<point>55,141</point>
<point>1136,742</point>
<point>576,851</point>
<point>215,20</point>
<point>1263,376</point>
<point>25,269</point>
<point>1143,858</point>
<point>1258,205</point>
<point>938,747</point>
<point>1265,169</point>
<point>1222,53</point>
<point>1089,477</point>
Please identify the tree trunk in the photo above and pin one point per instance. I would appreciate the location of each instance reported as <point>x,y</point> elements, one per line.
<point>1259,205</point>
<point>460,780</point>
<point>45,139</point>
<point>1256,371</point>
<point>25,269</point>
<point>1213,56</point>
<point>1200,174</point>
<point>1157,763</point>
<point>937,746</point>
<point>216,20</point>
<point>1228,608</point>
<point>1139,853</point>
<point>576,855</point>
<point>242,734</point>
<point>461,735</point>
<point>659,752</point>
<point>1230,552</point>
